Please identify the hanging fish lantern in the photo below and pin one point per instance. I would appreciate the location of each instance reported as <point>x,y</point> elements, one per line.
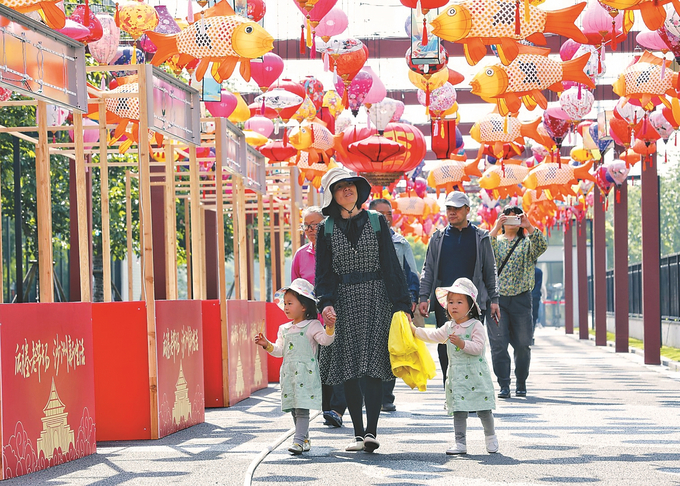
<point>522,81</point>
<point>647,82</point>
<point>219,36</point>
<point>502,23</point>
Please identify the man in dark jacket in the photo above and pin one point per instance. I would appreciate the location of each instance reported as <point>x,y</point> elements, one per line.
<point>459,250</point>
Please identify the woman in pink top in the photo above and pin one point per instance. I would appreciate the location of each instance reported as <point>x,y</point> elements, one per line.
<point>304,260</point>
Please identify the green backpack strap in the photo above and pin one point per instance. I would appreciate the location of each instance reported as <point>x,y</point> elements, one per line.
<point>373,217</point>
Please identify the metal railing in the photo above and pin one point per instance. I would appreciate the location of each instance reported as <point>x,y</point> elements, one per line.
<point>669,298</point>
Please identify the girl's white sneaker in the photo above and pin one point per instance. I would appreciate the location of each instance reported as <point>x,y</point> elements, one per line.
<point>457,448</point>
<point>356,445</point>
<point>295,449</point>
<point>491,444</point>
<point>306,445</point>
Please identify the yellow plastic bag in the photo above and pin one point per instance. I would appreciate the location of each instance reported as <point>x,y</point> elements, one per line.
<point>411,361</point>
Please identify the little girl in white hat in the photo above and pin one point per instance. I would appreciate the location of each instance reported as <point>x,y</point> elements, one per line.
<point>468,381</point>
<point>297,342</point>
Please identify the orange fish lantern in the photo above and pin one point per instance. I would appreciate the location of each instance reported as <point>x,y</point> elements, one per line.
<point>311,172</point>
<point>653,12</point>
<point>124,112</point>
<point>522,81</point>
<point>219,36</point>
<point>647,82</point>
<point>502,23</point>
<point>557,179</point>
<point>54,16</point>
<point>504,181</point>
<point>449,174</point>
<point>315,139</point>
<point>496,130</point>
<point>539,209</point>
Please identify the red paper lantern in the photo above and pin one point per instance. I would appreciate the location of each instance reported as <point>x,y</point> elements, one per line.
<point>425,5</point>
<point>376,148</point>
<point>348,64</point>
<point>277,152</point>
<point>256,109</point>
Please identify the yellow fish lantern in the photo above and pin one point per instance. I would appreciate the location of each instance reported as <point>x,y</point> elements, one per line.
<point>315,139</point>
<point>448,174</point>
<point>648,82</point>
<point>522,81</point>
<point>557,178</point>
<point>478,23</point>
<point>54,16</point>
<point>495,130</point>
<point>219,36</point>
<point>539,209</point>
<point>504,181</point>
<point>135,18</point>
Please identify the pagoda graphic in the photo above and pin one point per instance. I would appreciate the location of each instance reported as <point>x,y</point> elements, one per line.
<point>56,432</point>
<point>258,369</point>
<point>182,407</point>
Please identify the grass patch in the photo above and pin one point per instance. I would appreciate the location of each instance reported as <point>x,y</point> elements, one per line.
<point>666,351</point>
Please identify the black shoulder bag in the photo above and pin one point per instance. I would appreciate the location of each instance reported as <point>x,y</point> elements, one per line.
<point>507,257</point>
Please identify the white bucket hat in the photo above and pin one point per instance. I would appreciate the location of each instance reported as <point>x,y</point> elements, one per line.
<point>337,174</point>
<point>299,286</point>
<point>460,286</point>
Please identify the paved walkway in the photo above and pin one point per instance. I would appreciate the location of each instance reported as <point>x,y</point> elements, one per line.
<point>591,416</point>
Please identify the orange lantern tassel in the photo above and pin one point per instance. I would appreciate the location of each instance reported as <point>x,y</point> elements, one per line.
<point>309,32</point>
<point>345,98</point>
<point>117,17</point>
<point>517,26</point>
<point>302,39</point>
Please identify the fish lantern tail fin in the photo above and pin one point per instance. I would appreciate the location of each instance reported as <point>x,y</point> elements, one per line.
<point>653,15</point>
<point>472,169</point>
<point>574,70</point>
<point>166,45</point>
<point>563,22</point>
<point>54,16</point>
<point>583,172</point>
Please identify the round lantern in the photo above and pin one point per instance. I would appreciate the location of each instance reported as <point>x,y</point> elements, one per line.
<point>306,111</point>
<point>314,89</point>
<point>357,90</point>
<point>441,99</point>
<point>398,112</point>
<point>136,17</point>
<point>90,137</point>
<point>256,10</point>
<point>260,124</point>
<point>75,31</point>
<point>381,113</point>
<point>659,122</point>
<point>377,92</point>
<point>104,50</point>
<point>266,71</point>
<point>277,151</point>
<point>241,113</point>
<point>333,23</point>
<point>425,5</point>
<point>287,104</point>
<point>223,108</point>
<point>556,124</point>
<point>576,103</point>
<point>377,149</point>
<point>91,23</point>
<point>333,102</point>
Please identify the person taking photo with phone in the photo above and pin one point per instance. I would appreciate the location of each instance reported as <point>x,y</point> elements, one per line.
<point>516,250</point>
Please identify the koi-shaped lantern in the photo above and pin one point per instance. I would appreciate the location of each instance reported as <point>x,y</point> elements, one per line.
<point>54,16</point>
<point>647,83</point>
<point>502,23</point>
<point>653,12</point>
<point>449,174</point>
<point>312,172</point>
<point>496,132</point>
<point>557,178</point>
<point>522,81</point>
<point>504,181</point>
<point>315,139</point>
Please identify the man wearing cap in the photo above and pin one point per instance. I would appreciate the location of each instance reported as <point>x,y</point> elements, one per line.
<point>459,250</point>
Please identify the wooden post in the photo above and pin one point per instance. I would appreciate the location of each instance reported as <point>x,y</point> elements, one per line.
<point>582,277</point>
<point>44,207</point>
<point>202,264</point>
<point>187,246</point>
<point>260,247</point>
<point>170,228</point>
<point>104,181</point>
<point>236,230</point>
<point>196,241</point>
<point>599,270</point>
<point>128,230</point>
<point>568,278</point>
<point>2,290</point>
<point>295,191</point>
<point>146,235</point>
<point>221,273</point>
<point>651,274</point>
<point>621,268</point>
<point>242,238</point>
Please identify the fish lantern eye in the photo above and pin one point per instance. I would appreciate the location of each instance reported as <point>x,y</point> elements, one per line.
<point>249,29</point>
<point>489,72</point>
<point>451,12</point>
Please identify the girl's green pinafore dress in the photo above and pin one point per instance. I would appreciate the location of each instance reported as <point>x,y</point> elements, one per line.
<point>300,379</point>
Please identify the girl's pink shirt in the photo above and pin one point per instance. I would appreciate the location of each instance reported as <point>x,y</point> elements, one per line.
<point>473,346</point>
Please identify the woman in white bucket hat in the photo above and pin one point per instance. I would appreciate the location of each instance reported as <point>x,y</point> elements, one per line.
<point>360,285</point>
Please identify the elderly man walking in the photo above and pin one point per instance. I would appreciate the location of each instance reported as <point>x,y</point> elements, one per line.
<point>459,250</point>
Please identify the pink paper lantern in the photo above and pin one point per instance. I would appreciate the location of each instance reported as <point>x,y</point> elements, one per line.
<point>378,91</point>
<point>597,21</point>
<point>90,137</point>
<point>106,48</point>
<point>267,71</point>
<point>568,49</point>
<point>652,41</point>
<point>358,89</point>
<point>224,107</point>
<point>398,112</point>
<point>260,124</point>
<point>333,23</point>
